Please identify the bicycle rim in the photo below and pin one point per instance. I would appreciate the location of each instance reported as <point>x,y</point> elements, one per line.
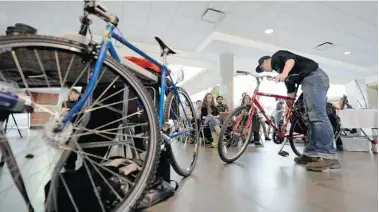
<point>184,148</point>
<point>231,145</point>
<point>297,139</point>
<point>56,64</point>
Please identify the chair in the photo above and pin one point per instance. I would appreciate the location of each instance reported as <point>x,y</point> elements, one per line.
<point>205,132</point>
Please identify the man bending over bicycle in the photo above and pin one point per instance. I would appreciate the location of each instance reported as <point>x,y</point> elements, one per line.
<point>319,153</point>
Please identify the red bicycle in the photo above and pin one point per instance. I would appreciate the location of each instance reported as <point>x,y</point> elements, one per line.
<point>238,127</point>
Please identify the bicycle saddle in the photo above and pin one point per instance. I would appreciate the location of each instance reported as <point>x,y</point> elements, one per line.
<point>164,47</point>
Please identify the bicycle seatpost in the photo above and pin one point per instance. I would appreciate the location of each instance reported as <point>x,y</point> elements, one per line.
<point>164,56</point>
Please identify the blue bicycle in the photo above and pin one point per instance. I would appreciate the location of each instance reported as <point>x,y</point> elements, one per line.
<point>103,108</point>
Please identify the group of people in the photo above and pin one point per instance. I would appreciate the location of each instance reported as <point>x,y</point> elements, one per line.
<point>208,114</point>
<point>319,153</point>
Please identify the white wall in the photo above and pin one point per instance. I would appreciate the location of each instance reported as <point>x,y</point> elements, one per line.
<point>372,98</point>
<point>356,92</point>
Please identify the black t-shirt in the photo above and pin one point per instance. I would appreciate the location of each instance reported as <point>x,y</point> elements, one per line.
<point>303,66</point>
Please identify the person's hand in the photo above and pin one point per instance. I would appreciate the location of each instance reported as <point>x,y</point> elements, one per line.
<point>65,110</point>
<point>75,97</point>
<point>281,77</point>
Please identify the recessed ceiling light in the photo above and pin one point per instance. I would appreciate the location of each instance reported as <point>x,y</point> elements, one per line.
<point>269,31</point>
<point>346,53</point>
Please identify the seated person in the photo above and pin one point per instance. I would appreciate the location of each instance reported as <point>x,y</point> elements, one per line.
<point>256,124</point>
<point>209,114</point>
<point>220,106</point>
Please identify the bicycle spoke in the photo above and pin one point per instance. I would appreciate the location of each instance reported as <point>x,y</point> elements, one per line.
<point>58,68</point>
<point>69,193</point>
<point>68,69</point>
<point>41,67</point>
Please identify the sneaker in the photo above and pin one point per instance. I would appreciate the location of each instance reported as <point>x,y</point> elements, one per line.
<point>257,143</point>
<point>323,164</point>
<point>303,159</point>
<point>268,139</point>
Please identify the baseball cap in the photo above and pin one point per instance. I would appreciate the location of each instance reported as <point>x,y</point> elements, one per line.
<point>260,62</point>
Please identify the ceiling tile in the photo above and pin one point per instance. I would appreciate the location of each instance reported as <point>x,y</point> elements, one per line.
<point>167,8</point>
<point>181,23</point>
<point>368,10</point>
<point>251,10</point>
<point>231,23</point>
<point>203,26</point>
<point>192,9</point>
<point>158,24</point>
<point>223,6</point>
<point>136,10</point>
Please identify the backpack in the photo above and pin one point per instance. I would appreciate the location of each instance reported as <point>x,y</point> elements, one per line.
<point>81,189</point>
<point>331,110</point>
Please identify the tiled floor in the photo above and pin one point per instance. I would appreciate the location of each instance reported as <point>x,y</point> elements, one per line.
<point>260,181</point>
<point>263,181</point>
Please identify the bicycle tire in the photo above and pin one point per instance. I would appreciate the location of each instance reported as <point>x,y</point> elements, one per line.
<point>222,134</point>
<point>291,132</point>
<point>148,171</point>
<point>184,172</point>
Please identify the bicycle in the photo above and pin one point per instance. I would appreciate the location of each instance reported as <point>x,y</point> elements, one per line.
<point>43,61</point>
<point>239,123</point>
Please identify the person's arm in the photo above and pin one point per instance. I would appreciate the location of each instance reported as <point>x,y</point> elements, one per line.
<point>287,68</point>
<point>203,112</point>
<point>289,60</point>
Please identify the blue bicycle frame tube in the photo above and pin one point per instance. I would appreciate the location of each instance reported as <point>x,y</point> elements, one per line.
<point>113,52</point>
<point>137,50</point>
<point>95,74</point>
<point>161,97</point>
<point>163,74</point>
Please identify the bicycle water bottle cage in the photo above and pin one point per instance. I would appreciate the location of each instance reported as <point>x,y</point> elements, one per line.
<point>20,29</point>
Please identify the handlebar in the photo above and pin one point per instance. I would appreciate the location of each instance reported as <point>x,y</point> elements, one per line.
<point>290,79</point>
<point>95,8</point>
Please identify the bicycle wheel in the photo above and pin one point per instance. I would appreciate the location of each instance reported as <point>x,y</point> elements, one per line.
<point>109,134</point>
<point>182,121</point>
<point>235,144</point>
<point>297,135</point>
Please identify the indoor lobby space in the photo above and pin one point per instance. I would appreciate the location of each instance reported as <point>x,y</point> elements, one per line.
<point>188,106</point>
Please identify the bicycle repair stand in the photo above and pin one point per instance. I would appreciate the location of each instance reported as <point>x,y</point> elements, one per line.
<point>6,121</point>
<point>15,122</point>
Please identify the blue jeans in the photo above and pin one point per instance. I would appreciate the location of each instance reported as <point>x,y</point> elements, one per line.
<point>212,122</point>
<point>320,136</point>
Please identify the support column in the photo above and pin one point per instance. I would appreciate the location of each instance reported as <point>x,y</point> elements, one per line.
<point>226,75</point>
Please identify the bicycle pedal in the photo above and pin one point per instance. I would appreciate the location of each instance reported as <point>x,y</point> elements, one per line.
<point>283,153</point>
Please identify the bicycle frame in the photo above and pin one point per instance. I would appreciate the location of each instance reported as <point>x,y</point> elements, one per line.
<point>255,102</point>
<point>106,45</point>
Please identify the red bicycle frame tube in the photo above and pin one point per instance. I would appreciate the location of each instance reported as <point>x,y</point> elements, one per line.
<point>255,103</point>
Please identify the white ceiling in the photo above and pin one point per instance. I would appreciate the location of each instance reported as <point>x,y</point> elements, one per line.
<point>299,26</point>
